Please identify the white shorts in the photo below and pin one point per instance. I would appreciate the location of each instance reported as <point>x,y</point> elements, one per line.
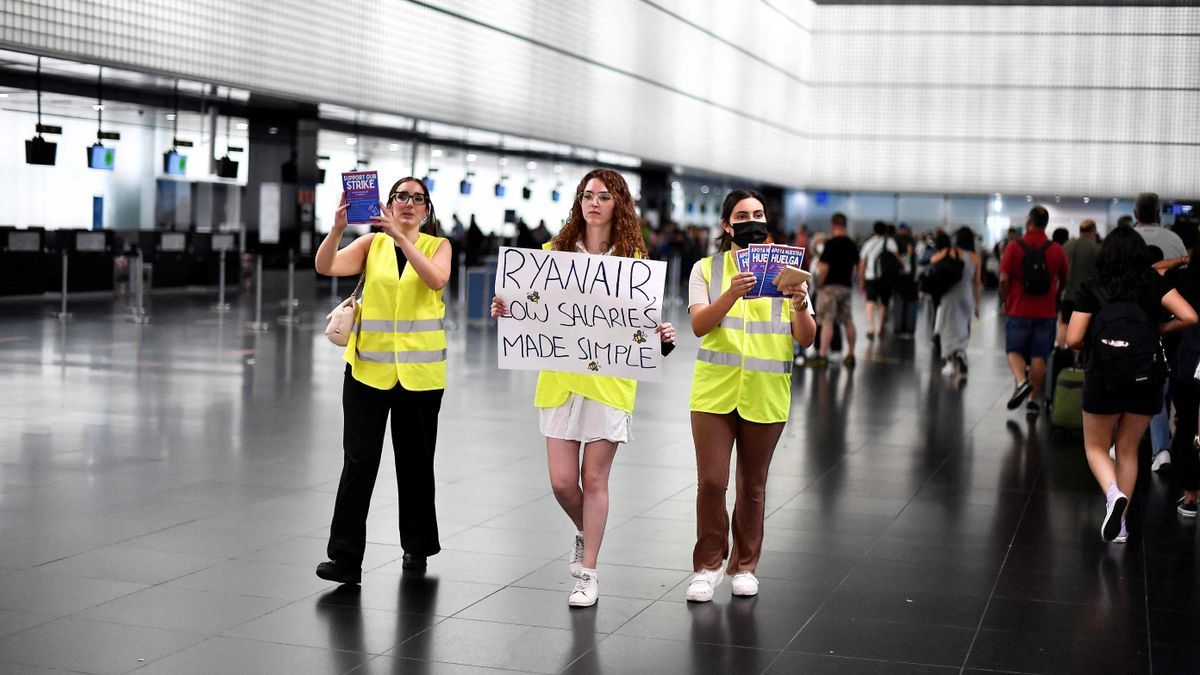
<point>582,419</point>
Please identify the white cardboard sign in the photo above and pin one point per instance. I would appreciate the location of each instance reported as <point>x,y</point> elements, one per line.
<point>580,313</point>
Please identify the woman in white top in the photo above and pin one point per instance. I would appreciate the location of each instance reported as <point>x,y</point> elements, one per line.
<point>594,412</point>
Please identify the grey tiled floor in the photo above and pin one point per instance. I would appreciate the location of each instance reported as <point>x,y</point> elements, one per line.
<point>165,492</point>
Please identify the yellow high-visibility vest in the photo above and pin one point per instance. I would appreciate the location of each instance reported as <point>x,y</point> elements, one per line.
<point>745,363</point>
<point>554,387</point>
<point>398,335</point>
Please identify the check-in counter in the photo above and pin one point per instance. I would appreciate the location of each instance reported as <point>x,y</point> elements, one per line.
<point>172,261</point>
<point>89,260</point>
<point>206,250</point>
<point>23,269</point>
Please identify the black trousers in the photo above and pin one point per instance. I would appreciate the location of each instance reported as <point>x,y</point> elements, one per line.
<point>1185,463</point>
<point>414,437</point>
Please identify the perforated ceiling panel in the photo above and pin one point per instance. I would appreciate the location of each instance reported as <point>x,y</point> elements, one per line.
<point>647,79</point>
<point>1077,100</point>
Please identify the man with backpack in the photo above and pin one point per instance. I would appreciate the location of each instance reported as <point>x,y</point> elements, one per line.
<point>880,268</point>
<point>1031,272</point>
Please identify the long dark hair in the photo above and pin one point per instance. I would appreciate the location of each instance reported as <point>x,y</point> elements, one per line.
<point>1123,265</point>
<point>626,237</point>
<point>964,239</point>
<point>725,241</point>
<point>430,225</point>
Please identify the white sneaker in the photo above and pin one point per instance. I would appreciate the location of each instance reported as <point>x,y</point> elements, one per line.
<point>1161,461</point>
<point>948,369</point>
<point>576,563</point>
<point>704,584</point>
<point>587,590</point>
<point>745,584</point>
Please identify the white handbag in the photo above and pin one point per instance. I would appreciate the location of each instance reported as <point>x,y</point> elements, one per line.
<point>341,319</point>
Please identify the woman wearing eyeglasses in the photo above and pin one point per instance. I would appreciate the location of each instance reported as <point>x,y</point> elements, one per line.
<point>396,360</point>
<point>592,411</point>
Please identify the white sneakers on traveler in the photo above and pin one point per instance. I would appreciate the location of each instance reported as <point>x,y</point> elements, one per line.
<point>576,563</point>
<point>745,584</point>
<point>704,584</point>
<point>587,590</point>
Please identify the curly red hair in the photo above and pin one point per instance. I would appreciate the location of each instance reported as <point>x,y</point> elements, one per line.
<point>626,239</point>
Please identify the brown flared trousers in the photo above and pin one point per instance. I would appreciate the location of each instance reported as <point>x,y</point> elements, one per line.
<point>714,436</point>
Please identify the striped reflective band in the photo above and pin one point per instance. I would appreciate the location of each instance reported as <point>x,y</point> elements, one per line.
<point>714,281</point>
<point>767,328</point>
<point>386,326</point>
<point>768,366</point>
<point>719,358</point>
<point>431,356</point>
<point>735,360</point>
<point>734,322</point>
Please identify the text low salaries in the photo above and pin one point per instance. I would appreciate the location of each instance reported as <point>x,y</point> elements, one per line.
<point>571,314</point>
<point>544,346</point>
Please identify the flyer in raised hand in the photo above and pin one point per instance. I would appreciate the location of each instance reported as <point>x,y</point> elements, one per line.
<point>362,194</point>
<point>779,257</point>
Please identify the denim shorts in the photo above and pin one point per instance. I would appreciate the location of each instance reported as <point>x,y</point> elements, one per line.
<point>1032,338</point>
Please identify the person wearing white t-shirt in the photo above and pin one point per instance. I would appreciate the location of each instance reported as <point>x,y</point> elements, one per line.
<point>878,289</point>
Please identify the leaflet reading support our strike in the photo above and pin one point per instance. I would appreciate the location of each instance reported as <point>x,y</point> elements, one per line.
<point>765,261</point>
<point>362,194</point>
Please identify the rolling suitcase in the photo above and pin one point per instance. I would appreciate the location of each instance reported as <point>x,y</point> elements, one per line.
<point>1066,408</point>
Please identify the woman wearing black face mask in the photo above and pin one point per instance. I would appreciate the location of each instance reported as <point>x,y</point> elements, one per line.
<point>741,391</point>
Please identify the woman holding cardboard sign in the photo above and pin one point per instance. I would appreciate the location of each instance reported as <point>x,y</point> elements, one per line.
<point>741,391</point>
<point>592,411</point>
<point>396,360</point>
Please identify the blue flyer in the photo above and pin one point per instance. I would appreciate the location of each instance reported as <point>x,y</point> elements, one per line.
<point>779,257</point>
<point>362,193</point>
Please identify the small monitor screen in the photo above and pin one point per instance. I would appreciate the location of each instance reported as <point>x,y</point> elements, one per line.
<point>464,187</point>
<point>173,242</point>
<point>174,164</point>
<point>100,157</point>
<point>222,242</point>
<point>89,241</point>
<point>24,241</point>
<point>510,215</point>
<point>500,190</point>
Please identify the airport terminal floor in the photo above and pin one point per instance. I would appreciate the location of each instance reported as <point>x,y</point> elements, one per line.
<point>166,492</point>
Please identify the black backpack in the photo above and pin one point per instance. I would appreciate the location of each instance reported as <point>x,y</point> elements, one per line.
<point>888,267</point>
<point>1124,346</point>
<point>1035,274</point>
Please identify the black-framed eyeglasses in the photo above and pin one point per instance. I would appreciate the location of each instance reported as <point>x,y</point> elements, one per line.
<point>405,197</point>
<point>604,197</point>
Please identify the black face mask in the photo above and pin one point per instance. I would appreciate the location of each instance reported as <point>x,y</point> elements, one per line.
<point>749,232</point>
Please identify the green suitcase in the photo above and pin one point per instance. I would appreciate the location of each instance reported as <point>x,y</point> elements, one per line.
<point>1066,410</point>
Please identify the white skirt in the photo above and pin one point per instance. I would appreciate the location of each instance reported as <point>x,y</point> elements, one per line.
<point>584,420</point>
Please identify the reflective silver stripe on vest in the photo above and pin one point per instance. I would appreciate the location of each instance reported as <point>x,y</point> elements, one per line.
<point>777,308</point>
<point>375,325</point>
<point>385,326</point>
<point>768,366</point>
<point>734,322</point>
<point>715,277</point>
<point>768,328</point>
<point>431,356</point>
<point>719,358</point>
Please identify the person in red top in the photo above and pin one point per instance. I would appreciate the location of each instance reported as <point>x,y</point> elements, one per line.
<point>1030,289</point>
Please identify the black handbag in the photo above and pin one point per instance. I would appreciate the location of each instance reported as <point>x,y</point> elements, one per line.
<point>942,276</point>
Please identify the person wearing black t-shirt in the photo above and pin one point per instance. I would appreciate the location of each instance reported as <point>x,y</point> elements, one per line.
<point>836,277</point>
<point>1113,402</point>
